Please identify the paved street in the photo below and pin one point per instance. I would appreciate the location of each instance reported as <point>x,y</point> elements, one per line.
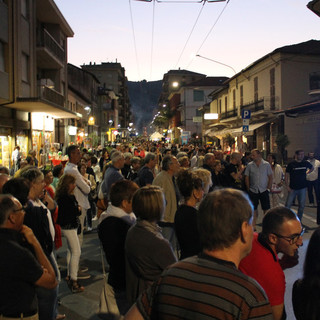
<point>85,305</point>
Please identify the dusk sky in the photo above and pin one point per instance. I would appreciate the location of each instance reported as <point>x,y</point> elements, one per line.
<point>245,31</point>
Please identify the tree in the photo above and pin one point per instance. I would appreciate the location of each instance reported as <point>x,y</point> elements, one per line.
<point>282,142</point>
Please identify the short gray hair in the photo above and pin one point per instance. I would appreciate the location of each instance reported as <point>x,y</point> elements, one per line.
<point>167,160</point>
<point>116,155</point>
<point>149,156</point>
<point>127,155</point>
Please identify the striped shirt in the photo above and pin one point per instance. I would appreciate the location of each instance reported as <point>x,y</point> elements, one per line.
<point>203,287</point>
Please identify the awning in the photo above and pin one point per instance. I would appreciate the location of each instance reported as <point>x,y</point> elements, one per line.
<point>56,111</point>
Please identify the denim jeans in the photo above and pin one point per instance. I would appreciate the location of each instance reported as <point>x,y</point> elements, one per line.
<point>48,298</point>
<point>73,252</point>
<point>301,195</point>
<point>313,185</point>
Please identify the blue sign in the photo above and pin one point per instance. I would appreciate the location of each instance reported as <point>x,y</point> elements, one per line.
<point>245,128</point>
<point>246,114</point>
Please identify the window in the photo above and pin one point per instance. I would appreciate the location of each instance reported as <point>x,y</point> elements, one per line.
<point>198,113</point>
<point>2,61</point>
<point>314,81</point>
<point>272,89</point>
<point>241,96</point>
<point>256,96</point>
<point>234,99</point>
<point>24,67</point>
<point>25,8</point>
<point>198,95</point>
<point>225,104</point>
<point>220,109</point>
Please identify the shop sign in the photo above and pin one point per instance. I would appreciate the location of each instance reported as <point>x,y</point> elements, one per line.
<point>72,130</point>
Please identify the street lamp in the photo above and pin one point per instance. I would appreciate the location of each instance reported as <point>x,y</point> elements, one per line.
<point>198,55</point>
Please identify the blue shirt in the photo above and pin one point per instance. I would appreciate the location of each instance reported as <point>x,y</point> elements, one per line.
<point>258,176</point>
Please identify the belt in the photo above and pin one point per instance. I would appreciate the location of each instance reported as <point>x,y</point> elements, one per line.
<point>19,315</point>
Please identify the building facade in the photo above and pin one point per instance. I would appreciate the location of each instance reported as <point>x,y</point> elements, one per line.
<point>33,74</point>
<point>267,88</point>
<point>116,115</point>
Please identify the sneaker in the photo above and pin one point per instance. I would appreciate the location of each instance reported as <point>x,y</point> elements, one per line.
<point>60,316</point>
<point>89,229</point>
<point>83,269</point>
<point>83,275</point>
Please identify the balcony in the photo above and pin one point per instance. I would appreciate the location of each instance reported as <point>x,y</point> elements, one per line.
<point>50,55</point>
<point>51,96</point>
<point>266,104</point>
<point>228,114</point>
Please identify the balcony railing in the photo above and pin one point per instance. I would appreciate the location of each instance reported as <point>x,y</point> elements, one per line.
<point>228,114</point>
<point>47,41</point>
<point>264,104</point>
<point>51,95</point>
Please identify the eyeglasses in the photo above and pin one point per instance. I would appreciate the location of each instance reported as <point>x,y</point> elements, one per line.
<point>20,209</point>
<point>292,239</point>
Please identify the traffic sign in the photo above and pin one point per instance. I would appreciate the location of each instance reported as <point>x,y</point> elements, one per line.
<point>245,128</point>
<point>245,122</point>
<point>246,114</point>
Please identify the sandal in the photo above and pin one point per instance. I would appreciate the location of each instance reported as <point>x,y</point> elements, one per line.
<point>75,286</point>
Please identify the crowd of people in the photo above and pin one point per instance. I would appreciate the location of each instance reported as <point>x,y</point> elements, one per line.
<point>176,226</point>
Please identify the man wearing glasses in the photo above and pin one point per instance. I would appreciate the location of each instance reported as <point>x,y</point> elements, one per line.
<point>20,270</point>
<point>281,232</point>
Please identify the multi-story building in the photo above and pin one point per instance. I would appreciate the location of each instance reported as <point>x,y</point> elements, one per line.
<point>269,88</point>
<point>170,97</point>
<point>112,79</point>
<point>83,98</point>
<point>194,95</point>
<point>33,74</point>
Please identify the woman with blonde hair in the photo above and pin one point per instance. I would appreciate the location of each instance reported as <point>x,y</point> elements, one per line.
<point>68,220</point>
<point>205,176</point>
<point>148,253</point>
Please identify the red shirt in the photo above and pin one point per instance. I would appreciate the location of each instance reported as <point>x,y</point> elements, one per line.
<point>262,264</point>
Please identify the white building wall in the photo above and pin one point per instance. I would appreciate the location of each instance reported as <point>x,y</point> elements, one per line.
<point>303,133</point>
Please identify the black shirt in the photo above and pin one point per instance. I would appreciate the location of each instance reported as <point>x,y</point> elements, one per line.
<point>19,270</point>
<point>298,174</point>
<point>185,223</point>
<point>230,181</point>
<point>145,176</point>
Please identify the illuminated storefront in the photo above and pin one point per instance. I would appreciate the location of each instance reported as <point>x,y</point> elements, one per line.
<point>5,147</point>
<point>42,132</point>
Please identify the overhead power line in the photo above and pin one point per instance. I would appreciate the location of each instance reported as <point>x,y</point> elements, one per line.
<point>206,37</point>
<point>152,36</point>
<point>194,25</point>
<point>134,41</point>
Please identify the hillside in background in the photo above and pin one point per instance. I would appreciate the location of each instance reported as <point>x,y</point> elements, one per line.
<point>144,100</point>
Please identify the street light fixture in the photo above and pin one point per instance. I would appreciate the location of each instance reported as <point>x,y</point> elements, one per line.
<point>198,55</point>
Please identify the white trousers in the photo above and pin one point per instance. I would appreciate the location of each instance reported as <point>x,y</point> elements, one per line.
<point>73,252</point>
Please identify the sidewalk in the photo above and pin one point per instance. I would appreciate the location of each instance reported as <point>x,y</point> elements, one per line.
<point>82,306</point>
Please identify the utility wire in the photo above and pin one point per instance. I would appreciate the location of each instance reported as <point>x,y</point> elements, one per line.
<point>134,41</point>
<point>151,58</point>
<point>206,37</point>
<point>190,34</point>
